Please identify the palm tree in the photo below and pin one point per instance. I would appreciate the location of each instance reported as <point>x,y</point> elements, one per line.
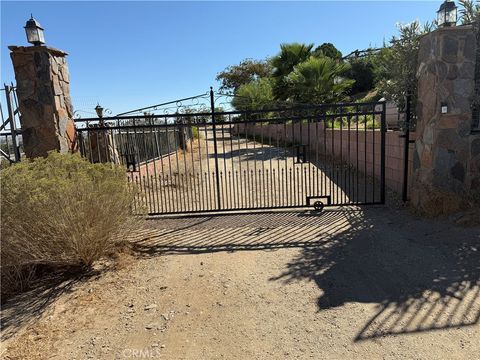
<point>319,80</point>
<point>284,63</point>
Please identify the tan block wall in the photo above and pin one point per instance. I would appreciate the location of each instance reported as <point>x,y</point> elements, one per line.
<point>343,144</point>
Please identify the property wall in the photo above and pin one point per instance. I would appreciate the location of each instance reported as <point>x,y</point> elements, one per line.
<point>364,152</point>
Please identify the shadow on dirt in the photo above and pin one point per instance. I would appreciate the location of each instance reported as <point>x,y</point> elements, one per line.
<point>27,306</point>
<point>423,275</point>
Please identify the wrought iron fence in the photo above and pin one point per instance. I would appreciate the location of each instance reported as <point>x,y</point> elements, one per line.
<point>282,157</point>
<point>11,144</point>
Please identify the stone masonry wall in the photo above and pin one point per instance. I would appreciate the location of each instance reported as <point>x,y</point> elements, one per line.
<point>43,92</point>
<point>446,158</point>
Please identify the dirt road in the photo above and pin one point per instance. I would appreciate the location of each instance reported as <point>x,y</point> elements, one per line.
<point>345,284</point>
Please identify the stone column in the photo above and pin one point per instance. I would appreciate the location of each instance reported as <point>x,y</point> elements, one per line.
<point>446,160</point>
<point>43,92</point>
<point>102,147</point>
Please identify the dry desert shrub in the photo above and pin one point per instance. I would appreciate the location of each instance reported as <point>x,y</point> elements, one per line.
<point>61,211</point>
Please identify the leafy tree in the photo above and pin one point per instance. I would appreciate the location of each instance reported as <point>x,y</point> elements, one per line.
<point>248,70</point>
<point>257,94</point>
<point>319,80</point>
<point>470,12</point>
<point>362,71</point>
<point>329,50</point>
<point>398,64</point>
<point>284,63</point>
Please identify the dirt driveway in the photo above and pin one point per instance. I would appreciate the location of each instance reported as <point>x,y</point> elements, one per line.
<point>346,284</point>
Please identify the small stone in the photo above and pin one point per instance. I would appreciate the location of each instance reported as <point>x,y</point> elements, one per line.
<point>151,326</point>
<point>154,345</point>
<point>149,307</point>
<point>162,346</point>
<point>165,316</point>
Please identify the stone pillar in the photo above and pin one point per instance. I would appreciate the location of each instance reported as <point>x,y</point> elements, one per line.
<point>102,147</point>
<point>446,160</point>
<point>43,92</point>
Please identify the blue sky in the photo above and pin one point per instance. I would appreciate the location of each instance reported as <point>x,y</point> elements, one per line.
<point>127,55</point>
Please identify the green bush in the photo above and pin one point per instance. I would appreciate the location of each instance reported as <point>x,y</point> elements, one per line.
<point>61,211</point>
<point>195,132</point>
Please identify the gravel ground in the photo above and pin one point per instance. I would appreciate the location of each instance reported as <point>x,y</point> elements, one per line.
<point>352,283</point>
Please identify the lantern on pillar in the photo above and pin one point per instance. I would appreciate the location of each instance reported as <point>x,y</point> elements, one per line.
<point>99,111</point>
<point>447,14</point>
<point>34,32</point>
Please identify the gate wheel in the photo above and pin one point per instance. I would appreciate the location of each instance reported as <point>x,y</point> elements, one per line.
<point>318,205</point>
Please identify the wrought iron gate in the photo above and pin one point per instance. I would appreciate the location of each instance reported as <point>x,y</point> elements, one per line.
<point>211,160</point>
<point>10,139</point>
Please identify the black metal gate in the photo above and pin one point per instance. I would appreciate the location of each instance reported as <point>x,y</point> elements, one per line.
<point>10,139</point>
<point>214,160</point>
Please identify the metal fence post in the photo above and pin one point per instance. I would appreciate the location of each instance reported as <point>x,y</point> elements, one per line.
<point>383,126</point>
<point>215,149</point>
<point>13,127</point>
<point>406,148</point>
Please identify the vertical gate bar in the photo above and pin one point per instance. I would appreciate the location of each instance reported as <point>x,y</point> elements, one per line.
<point>263,162</point>
<point>163,192</point>
<point>325,161</point>
<point>230,131</point>
<point>272,152</point>
<point>254,178</point>
<point>310,192</point>
<point>349,167</point>
<point>294,195</point>
<point>406,148</point>
<point>200,166</point>
<point>382,178</point>
<point>224,184</point>
<point>240,201</point>
<point>365,149</point>
<point>280,195</point>
<point>373,159</point>
<point>180,191</point>
<point>157,174</point>
<point>250,189</point>
<point>193,188</point>
<point>215,149</point>
<point>162,167</point>
<point>145,153</point>
<point>301,193</point>
<point>13,127</point>
<point>172,200</point>
<point>357,196</point>
<point>342,192</point>
<point>285,180</point>
<point>207,177</point>
<point>317,164</point>
<point>332,165</point>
